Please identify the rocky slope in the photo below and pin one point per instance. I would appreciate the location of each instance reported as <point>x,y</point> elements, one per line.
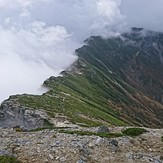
<point>50,146</point>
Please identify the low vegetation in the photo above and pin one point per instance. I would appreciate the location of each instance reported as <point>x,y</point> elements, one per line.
<point>8,159</point>
<point>88,133</point>
<point>134,131</point>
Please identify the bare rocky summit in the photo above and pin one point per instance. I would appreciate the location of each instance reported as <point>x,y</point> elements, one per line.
<point>51,146</point>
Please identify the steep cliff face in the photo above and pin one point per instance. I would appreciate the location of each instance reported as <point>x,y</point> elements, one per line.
<point>116,81</point>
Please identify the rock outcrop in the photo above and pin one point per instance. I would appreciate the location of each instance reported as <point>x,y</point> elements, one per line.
<point>14,115</point>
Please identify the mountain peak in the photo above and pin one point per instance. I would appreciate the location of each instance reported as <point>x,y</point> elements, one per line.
<point>135,29</point>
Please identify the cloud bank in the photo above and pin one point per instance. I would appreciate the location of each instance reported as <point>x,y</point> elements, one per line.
<point>38,37</point>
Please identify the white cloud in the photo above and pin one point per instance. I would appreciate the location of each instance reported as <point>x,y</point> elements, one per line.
<point>4,3</point>
<point>24,13</point>
<point>31,54</point>
<point>19,76</point>
<point>21,3</point>
<point>109,20</point>
<point>108,8</point>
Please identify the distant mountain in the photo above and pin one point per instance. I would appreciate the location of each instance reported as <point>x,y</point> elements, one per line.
<point>115,81</point>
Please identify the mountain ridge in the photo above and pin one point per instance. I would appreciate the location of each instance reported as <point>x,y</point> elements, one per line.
<point>115,81</point>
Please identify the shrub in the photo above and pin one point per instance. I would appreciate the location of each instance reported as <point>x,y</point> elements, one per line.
<point>134,131</point>
<point>18,129</point>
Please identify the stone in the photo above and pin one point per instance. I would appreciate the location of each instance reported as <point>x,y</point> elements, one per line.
<point>80,161</point>
<point>91,144</point>
<point>129,156</point>
<point>62,159</point>
<point>103,129</point>
<point>161,158</point>
<point>98,140</point>
<point>114,142</point>
<point>57,158</point>
<point>51,157</point>
<point>46,160</point>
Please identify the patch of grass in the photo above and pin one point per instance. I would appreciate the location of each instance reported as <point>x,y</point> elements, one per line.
<point>86,94</point>
<point>88,133</point>
<point>18,129</point>
<point>99,94</point>
<point>48,128</point>
<point>8,159</point>
<point>71,106</point>
<point>134,131</point>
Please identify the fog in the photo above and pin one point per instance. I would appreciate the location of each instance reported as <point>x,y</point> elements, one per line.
<point>38,37</point>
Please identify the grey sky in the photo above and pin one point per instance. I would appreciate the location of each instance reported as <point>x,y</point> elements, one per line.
<point>143,13</point>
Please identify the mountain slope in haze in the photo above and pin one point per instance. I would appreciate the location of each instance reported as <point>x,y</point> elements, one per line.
<point>116,81</point>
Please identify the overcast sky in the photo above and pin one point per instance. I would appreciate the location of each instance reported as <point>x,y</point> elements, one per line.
<point>38,37</point>
<point>143,13</point>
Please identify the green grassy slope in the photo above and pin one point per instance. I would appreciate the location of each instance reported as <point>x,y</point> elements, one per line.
<point>95,90</point>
